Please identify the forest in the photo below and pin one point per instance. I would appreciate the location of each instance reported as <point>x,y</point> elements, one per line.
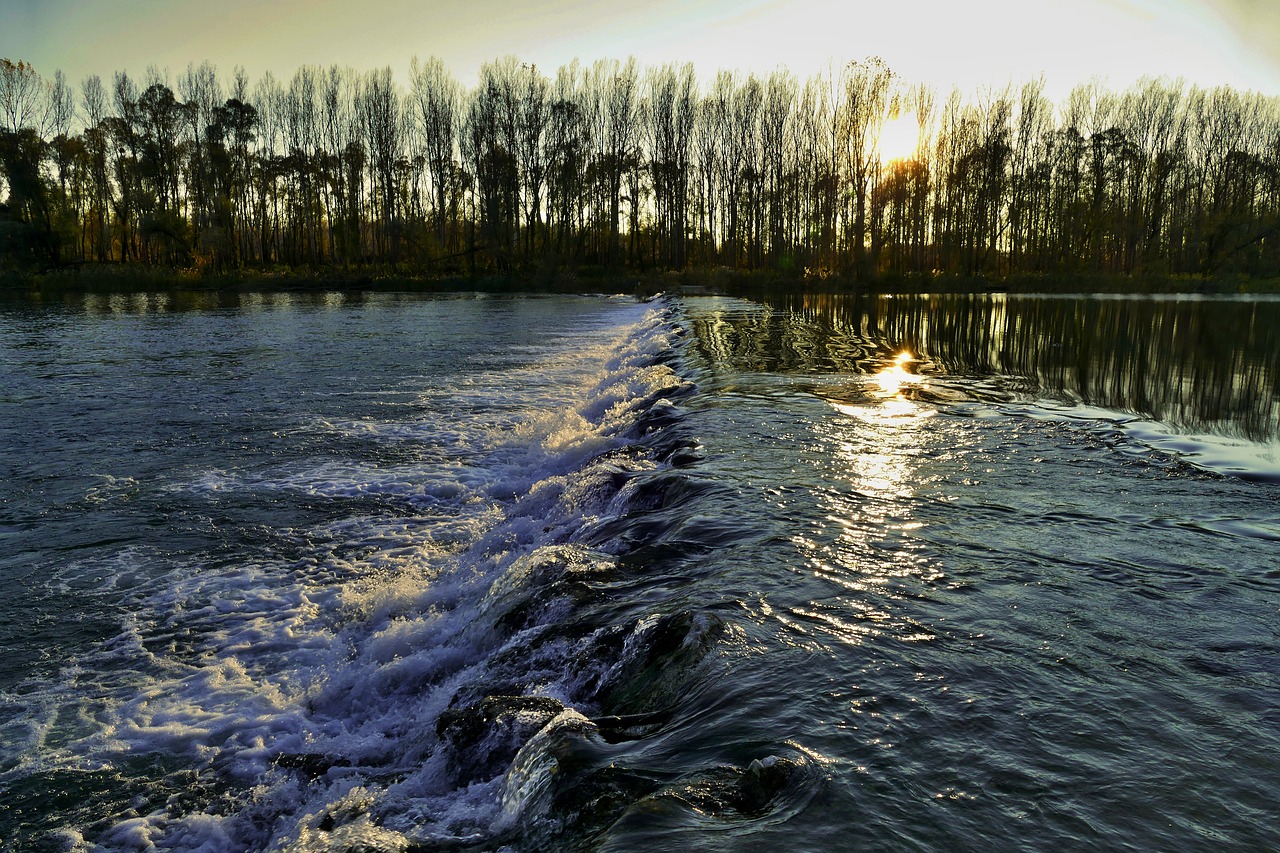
<point>611,165</point>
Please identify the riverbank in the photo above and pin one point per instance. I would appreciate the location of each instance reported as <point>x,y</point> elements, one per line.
<point>115,278</point>
<point>748,284</point>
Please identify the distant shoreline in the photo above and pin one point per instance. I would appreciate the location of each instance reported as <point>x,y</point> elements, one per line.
<point>112,278</point>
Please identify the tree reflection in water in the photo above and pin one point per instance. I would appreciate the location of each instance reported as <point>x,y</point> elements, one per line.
<point>1201,364</point>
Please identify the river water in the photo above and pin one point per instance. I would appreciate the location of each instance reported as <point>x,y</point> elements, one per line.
<point>375,572</point>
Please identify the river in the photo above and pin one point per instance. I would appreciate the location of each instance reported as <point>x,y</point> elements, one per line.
<point>338,572</point>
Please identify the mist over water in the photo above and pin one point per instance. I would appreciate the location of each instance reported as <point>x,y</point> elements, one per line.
<point>390,572</point>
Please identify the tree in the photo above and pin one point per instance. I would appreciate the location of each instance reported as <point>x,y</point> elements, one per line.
<point>230,138</point>
<point>435,96</point>
<point>343,168</point>
<point>863,110</point>
<point>567,144</point>
<point>160,116</point>
<point>21,155</point>
<point>23,99</point>
<point>378,108</point>
<point>778,160</point>
<point>201,94</point>
<point>614,88</point>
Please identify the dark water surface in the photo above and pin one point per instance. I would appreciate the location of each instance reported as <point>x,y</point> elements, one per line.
<point>344,573</point>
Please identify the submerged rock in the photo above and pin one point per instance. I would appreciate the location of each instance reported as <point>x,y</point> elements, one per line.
<point>658,660</point>
<point>310,764</point>
<point>761,782</point>
<point>616,729</point>
<point>528,592</point>
<point>592,802</point>
<point>484,737</point>
<point>732,793</point>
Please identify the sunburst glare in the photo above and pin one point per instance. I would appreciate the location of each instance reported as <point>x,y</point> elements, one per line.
<point>891,380</point>
<point>883,394</point>
<point>899,138</point>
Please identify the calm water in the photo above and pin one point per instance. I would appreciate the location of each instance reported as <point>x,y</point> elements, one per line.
<point>391,573</point>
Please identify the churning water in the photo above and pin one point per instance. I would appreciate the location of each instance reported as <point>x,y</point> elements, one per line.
<point>388,573</point>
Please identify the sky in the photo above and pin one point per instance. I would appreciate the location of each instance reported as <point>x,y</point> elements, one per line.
<point>974,45</point>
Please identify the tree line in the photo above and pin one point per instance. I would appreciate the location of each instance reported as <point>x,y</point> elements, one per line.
<point>617,166</point>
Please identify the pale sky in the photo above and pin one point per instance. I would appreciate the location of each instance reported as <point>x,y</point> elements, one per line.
<point>972,44</point>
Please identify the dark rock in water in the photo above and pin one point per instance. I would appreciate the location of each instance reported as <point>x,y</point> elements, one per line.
<point>661,415</point>
<point>460,725</point>
<point>681,453</point>
<point>657,490</point>
<point>531,588</point>
<point>484,737</point>
<point>594,801</point>
<point>311,764</point>
<point>642,524</point>
<point>616,729</point>
<point>673,633</point>
<point>734,793</point>
<point>761,783</point>
<point>658,660</point>
<point>684,457</point>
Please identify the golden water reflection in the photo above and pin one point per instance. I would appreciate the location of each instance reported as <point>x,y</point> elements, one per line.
<point>891,379</point>
<point>868,544</point>
<point>1208,365</point>
<point>877,449</point>
<point>889,393</point>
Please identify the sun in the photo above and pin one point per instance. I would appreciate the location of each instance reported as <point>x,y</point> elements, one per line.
<point>899,138</point>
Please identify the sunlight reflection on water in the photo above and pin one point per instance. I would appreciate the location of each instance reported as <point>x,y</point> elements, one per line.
<point>876,449</point>
<point>1001,607</point>
<point>885,396</point>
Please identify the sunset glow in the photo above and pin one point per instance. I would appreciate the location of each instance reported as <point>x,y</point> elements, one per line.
<point>969,45</point>
<point>899,138</point>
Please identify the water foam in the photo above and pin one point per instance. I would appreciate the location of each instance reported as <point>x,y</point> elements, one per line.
<point>315,686</point>
<point>1226,455</point>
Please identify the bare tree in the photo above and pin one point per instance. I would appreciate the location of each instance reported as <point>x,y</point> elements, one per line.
<point>378,107</point>
<point>270,101</point>
<point>532,116</point>
<point>672,101</point>
<point>778,160</point>
<point>23,100</point>
<point>201,93</point>
<point>567,144</point>
<point>435,95</point>
<point>66,150</point>
<point>94,108</point>
<point>866,90</point>
<point>615,141</point>
<point>710,130</point>
<point>338,167</point>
